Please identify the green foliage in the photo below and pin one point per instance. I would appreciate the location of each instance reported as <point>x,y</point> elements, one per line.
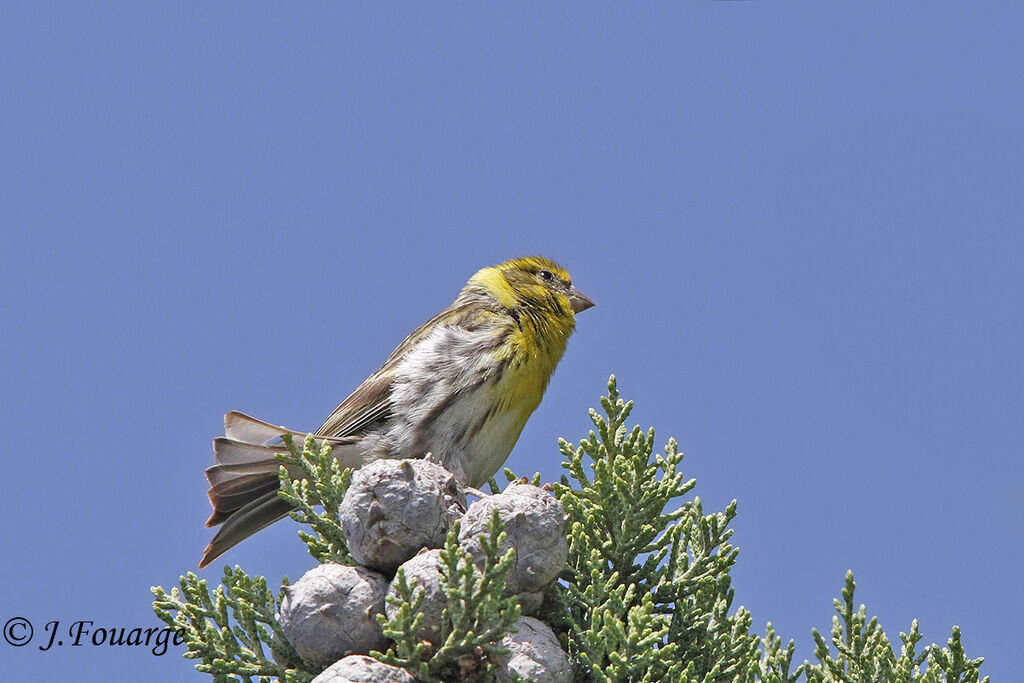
<point>646,595</point>
<point>860,651</point>
<point>227,649</point>
<point>233,631</point>
<point>476,618</point>
<point>776,661</point>
<point>648,592</point>
<point>323,483</point>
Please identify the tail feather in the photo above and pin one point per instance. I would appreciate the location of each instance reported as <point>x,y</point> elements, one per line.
<point>228,499</point>
<point>228,451</point>
<point>244,522</point>
<point>243,482</point>
<point>222,474</point>
<point>242,427</point>
<point>244,479</point>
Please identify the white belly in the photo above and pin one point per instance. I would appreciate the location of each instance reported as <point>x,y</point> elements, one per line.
<point>447,401</point>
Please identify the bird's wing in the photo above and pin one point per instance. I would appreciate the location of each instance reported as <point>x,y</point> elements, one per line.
<point>370,403</point>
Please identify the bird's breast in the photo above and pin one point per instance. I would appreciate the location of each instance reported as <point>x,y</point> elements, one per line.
<point>457,397</point>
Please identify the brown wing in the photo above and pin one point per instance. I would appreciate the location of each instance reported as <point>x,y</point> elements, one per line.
<point>370,403</point>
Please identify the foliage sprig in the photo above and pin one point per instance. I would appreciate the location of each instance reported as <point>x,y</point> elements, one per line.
<point>476,618</point>
<point>233,631</point>
<point>322,484</point>
<point>859,650</point>
<point>649,583</point>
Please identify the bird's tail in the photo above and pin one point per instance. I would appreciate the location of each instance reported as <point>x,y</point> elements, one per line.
<point>244,481</point>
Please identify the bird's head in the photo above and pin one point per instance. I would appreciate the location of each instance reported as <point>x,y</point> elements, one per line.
<point>531,285</point>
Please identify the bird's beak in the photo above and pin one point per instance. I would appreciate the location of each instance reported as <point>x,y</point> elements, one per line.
<point>578,300</point>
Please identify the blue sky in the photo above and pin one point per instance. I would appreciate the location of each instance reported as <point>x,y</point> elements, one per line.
<point>800,221</point>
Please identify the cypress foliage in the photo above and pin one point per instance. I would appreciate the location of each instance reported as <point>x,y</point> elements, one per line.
<point>476,618</point>
<point>646,595</point>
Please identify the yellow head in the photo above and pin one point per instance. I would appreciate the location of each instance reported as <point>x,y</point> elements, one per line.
<point>539,302</point>
<point>531,286</point>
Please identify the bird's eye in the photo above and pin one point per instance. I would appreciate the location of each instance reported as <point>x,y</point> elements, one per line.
<point>546,275</point>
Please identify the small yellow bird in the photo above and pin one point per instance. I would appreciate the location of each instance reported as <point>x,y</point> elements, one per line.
<point>460,387</point>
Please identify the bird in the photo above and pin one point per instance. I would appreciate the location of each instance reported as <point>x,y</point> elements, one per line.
<point>459,389</point>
